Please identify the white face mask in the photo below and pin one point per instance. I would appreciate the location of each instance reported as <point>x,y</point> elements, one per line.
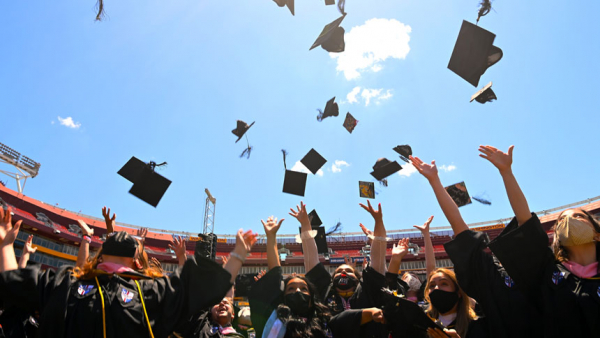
<point>572,232</point>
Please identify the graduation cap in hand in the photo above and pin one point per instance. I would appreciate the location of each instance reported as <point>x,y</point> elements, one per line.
<point>288,3</point>
<point>350,123</point>
<point>459,194</point>
<point>148,185</point>
<point>405,151</point>
<point>240,131</point>
<point>332,37</point>
<point>384,168</point>
<point>331,109</point>
<point>485,94</point>
<point>473,53</point>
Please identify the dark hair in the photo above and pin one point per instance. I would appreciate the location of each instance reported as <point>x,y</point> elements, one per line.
<point>560,253</point>
<point>356,272</point>
<point>315,326</point>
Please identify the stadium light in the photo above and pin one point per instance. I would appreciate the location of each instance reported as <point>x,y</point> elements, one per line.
<point>26,167</point>
<point>210,197</point>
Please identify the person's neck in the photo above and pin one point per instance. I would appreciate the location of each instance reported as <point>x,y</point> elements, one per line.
<point>584,254</point>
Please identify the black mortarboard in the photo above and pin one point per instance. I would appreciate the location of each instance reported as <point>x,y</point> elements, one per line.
<point>313,161</point>
<point>405,151</point>
<point>288,3</point>
<point>384,168</point>
<point>473,53</point>
<point>366,189</point>
<point>350,122</point>
<point>331,109</point>
<point>320,239</point>
<point>241,129</point>
<point>485,94</point>
<point>405,317</point>
<point>314,219</point>
<point>148,185</point>
<point>459,194</point>
<point>294,182</point>
<point>119,244</point>
<point>332,37</point>
<point>329,2</point>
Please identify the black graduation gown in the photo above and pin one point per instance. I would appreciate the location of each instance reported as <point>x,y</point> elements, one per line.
<point>202,327</point>
<point>72,308</point>
<point>508,312</point>
<point>570,305</point>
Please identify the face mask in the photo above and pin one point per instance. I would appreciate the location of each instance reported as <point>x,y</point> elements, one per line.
<point>414,284</point>
<point>299,303</point>
<point>345,282</point>
<point>571,231</point>
<point>443,301</point>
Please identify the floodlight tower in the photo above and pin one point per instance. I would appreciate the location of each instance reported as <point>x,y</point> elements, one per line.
<point>25,166</point>
<point>209,213</point>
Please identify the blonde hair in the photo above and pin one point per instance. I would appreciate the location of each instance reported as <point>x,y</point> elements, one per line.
<point>464,313</point>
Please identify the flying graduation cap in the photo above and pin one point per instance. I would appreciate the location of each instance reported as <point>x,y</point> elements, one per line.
<point>459,194</point>
<point>331,109</point>
<point>332,37</point>
<point>366,189</point>
<point>240,130</point>
<point>313,161</point>
<point>384,168</point>
<point>485,94</point>
<point>329,2</point>
<point>405,151</point>
<point>294,182</point>
<point>288,3</point>
<point>148,185</point>
<point>473,53</point>
<point>314,218</point>
<point>350,123</point>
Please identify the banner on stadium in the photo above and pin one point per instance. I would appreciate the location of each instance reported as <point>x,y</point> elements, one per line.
<point>490,227</point>
<point>336,260</point>
<point>221,240</point>
<point>194,239</point>
<point>359,259</point>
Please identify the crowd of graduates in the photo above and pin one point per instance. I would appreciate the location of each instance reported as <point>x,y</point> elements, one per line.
<point>524,288</point>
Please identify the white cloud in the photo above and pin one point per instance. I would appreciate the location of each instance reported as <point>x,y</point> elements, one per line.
<point>368,94</point>
<point>447,168</point>
<point>298,166</point>
<point>367,46</point>
<point>69,123</point>
<point>407,170</point>
<point>351,97</point>
<point>337,166</point>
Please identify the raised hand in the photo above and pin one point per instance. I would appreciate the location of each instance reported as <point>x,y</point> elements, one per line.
<point>401,249</point>
<point>224,260</point>
<point>425,227</point>
<point>8,231</point>
<point>366,230</point>
<point>29,248</point>
<point>244,241</point>
<point>300,214</point>
<point>155,263</point>
<point>85,230</point>
<point>377,214</point>
<point>142,232</point>
<point>428,170</point>
<point>109,221</point>
<point>271,226</point>
<point>178,246</point>
<point>260,275</point>
<point>500,159</point>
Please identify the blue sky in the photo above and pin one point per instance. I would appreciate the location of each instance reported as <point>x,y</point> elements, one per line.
<point>166,81</point>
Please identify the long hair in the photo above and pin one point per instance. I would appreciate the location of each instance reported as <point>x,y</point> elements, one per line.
<point>560,253</point>
<point>464,313</point>
<point>315,325</point>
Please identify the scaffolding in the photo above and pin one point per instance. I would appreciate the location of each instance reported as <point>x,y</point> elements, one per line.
<point>209,222</point>
<point>25,166</point>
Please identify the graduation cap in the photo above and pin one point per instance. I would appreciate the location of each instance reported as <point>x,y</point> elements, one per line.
<point>405,317</point>
<point>288,3</point>
<point>332,37</point>
<point>148,185</point>
<point>314,219</point>
<point>485,94</point>
<point>329,2</point>
<point>294,182</point>
<point>473,53</point>
<point>384,168</point>
<point>350,122</point>
<point>459,194</point>
<point>320,239</point>
<point>240,131</point>
<point>313,161</point>
<point>405,151</point>
<point>331,109</point>
<point>366,189</point>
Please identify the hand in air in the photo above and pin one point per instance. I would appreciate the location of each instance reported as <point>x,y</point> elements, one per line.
<point>425,227</point>
<point>401,249</point>
<point>428,170</point>
<point>178,246</point>
<point>85,229</point>
<point>8,231</point>
<point>271,226</point>
<point>29,248</point>
<point>244,241</point>
<point>377,214</point>
<point>109,221</point>
<point>500,159</point>
<point>300,214</point>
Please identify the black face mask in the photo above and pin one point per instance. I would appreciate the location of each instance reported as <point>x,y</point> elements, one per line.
<point>345,282</point>
<point>299,303</point>
<point>443,301</point>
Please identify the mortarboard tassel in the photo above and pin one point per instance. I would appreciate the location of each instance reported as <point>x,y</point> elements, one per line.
<point>482,200</point>
<point>246,152</point>
<point>341,6</point>
<point>384,182</point>
<point>486,7</point>
<point>100,5</point>
<point>336,228</point>
<point>285,153</point>
<point>320,116</point>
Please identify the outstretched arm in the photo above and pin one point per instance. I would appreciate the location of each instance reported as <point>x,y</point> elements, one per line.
<point>379,244</point>
<point>446,202</point>
<point>271,228</point>
<point>429,254</point>
<point>178,246</point>
<point>503,162</point>
<point>109,221</point>
<point>8,234</point>
<point>28,249</point>
<point>309,246</point>
<point>84,246</point>
<point>243,244</point>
